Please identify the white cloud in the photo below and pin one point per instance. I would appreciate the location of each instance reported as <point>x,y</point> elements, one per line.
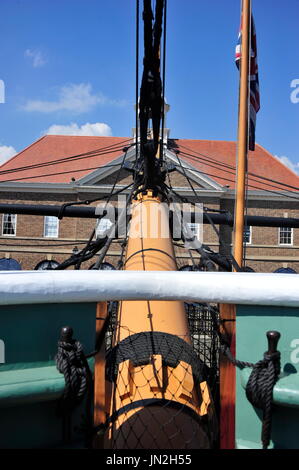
<point>287,162</point>
<point>95,129</point>
<point>77,98</point>
<point>6,152</point>
<point>38,60</point>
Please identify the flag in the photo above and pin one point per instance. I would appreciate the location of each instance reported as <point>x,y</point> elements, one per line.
<point>254,104</point>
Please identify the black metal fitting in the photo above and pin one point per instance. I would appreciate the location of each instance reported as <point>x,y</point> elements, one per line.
<point>66,334</point>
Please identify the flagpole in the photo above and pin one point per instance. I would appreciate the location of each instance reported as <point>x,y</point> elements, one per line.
<point>242,133</point>
<point>228,311</point>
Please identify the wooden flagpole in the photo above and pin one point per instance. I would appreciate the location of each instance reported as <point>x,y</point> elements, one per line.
<point>228,312</point>
<point>242,133</point>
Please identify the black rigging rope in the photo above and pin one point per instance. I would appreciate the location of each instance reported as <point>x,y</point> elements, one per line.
<point>221,243</point>
<point>161,156</point>
<point>226,165</point>
<point>124,216</point>
<point>93,153</point>
<point>225,168</point>
<point>204,172</point>
<point>244,218</point>
<point>151,94</point>
<point>148,249</point>
<point>58,173</point>
<point>277,193</point>
<point>137,80</point>
<point>106,240</point>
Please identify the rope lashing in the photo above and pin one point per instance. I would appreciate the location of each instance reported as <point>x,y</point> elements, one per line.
<point>259,388</point>
<point>71,362</point>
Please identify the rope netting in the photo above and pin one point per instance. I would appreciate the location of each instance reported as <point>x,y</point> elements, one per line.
<point>203,322</point>
<point>163,387</point>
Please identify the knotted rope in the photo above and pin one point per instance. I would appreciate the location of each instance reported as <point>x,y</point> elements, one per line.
<point>259,388</point>
<point>71,362</point>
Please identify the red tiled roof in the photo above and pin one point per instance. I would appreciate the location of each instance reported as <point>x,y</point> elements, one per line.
<point>55,147</point>
<point>207,156</point>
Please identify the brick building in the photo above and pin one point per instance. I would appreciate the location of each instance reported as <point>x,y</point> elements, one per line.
<point>61,169</point>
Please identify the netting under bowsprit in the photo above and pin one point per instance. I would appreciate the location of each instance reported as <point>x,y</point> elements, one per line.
<point>203,322</point>
<point>160,393</point>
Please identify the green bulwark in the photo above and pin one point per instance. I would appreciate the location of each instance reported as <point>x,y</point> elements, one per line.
<point>30,384</point>
<point>252,324</point>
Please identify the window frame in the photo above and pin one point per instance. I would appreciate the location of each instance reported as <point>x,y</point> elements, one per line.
<point>9,234</point>
<point>45,261</point>
<point>196,232</point>
<point>100,232</point>
<point>292,236</point>
<point>250,235</point>
<point>51,236</point>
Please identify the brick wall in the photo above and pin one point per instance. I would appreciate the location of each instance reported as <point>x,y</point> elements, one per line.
<point>264,254</point>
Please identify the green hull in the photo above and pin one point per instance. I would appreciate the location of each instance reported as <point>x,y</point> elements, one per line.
<point>252,324</point>
<point>30,384</point>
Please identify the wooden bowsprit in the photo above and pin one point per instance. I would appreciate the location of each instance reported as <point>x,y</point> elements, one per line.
<point>161,399</point>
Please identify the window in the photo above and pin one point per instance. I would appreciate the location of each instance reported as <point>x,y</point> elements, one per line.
<point>285,236</point>
<point>195,229</point>
<point>247,234</point>
<point>103,225</point>
<point>9,264</point>
<point>9,224</point>
<point>51,226</point>
<point>46,265</point>
<point>103,266</point>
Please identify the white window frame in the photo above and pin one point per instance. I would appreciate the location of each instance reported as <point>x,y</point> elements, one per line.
<point>57,231</point>
<point>102,227</point>
<point>196,230</point>
<point>250,234</point>
<point>292,236</point>
<point>9,234</point>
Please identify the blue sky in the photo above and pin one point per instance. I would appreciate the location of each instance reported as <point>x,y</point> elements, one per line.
<point>71,64</point>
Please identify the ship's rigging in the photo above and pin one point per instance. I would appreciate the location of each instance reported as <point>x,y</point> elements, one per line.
<point>143,360</point>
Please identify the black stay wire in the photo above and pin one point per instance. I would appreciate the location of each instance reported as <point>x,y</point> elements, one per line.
<point>214,165</point>
<point>277,193</point>
<point>206,158</point>
<point>96,152</point>
<point>163,83</point>
<point>137,79</point>
<point>58,173</point>
<point>71,171</point>
<point>245,216</point>
<point>91,248</point>
<point>77,266</point>
<point>224,245</point>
